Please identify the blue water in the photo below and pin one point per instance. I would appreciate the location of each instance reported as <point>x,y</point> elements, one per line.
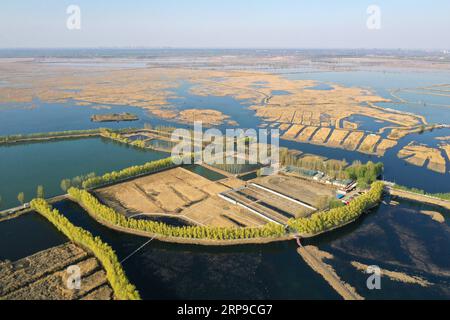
<point>26,235</point>
<point>25,166</point>
<point>280,93</point>
<point>396,238</point>
<point>396,170</point>
<point>237,110</point>
<point>172,271</point>
<point>381,82</point>
<point>321,86</point>
<point>370,124</point>
<point>47,117</point>
<point>66,116</point>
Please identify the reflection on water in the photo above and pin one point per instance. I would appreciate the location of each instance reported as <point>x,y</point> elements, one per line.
<point>171,221</point>
<point>395,238</point>
<point>205,172</point>
<point>27,235</point>
<point>170,271</point>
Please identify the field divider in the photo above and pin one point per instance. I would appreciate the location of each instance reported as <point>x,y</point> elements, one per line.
<point>284,196</point>
<point>248,208</point>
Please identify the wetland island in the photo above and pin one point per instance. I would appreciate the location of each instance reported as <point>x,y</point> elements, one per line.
<point>131,174</point>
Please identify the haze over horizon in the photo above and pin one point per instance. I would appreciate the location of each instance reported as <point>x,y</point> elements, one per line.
<point>232,24</point>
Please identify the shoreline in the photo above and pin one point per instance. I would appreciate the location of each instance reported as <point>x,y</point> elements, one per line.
<point>48,138</point>
<point>192,241</point>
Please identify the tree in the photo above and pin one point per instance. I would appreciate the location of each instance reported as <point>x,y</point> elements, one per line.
<point>65,185</point>
<point>115,274</point>
<point>40,192</point>
<point>21,197</point>
<point>323,202</point>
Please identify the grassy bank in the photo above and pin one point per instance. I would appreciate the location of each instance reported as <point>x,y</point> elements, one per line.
<point>123,289</point>
<point>442,196</point>
<point>11,139</point>
<point>41,136</point>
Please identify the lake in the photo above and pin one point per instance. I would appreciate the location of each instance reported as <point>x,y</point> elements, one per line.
<point>395,237</point>
<point>25,166</point>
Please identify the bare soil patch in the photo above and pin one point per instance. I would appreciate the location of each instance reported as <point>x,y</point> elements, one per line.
<point>181,193</point>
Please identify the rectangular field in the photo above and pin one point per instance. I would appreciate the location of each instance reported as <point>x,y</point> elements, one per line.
<point>293,131</point>
<point>353,139</point>
<point>306,134</point>
<point>321,135</point>
<point>337,137</point>
<point>384,145</point>
<point>369,143</point>
<point>303,190</point>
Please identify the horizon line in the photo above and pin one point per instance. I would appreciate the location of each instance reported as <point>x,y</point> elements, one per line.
<point>222,48</point>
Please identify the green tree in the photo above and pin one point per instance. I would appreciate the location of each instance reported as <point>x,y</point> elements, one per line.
<point>323,202</point>
<point>115,274</point>
<point>21,197</point>
<point>40,192</point>
<point>65,184</point>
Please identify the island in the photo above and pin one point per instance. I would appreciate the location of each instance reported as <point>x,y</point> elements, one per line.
<point>114,117</point>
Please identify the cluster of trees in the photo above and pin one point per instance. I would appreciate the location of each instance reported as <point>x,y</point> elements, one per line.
<point>325,220</point>
<point>21,197</point>
<point>365,174</point>
<point>40,193</point>
<point>326,202</point>
<point>76,182</point>
<point>443,196</point>
<point>149,167</point>
<point>234,168</point>
<point>117,136</point>
<point>107,133</point>
<point>123,289</point>
<point>333,168</point>
<point>59,134</point>
<point>102,212</point>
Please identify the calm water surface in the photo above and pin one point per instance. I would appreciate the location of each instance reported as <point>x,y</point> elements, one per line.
<point>25,166</point>
<point>395,237</point>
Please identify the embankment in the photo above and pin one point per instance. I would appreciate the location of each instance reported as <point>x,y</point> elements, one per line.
<point>314,258</point>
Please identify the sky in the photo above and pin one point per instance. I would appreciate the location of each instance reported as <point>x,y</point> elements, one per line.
<point>403,24</point>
